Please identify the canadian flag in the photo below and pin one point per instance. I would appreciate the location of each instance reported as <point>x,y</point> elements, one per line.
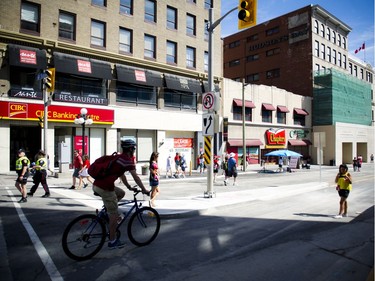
<point>360,48</point>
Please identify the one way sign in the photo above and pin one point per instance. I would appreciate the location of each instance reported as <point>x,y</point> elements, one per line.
<point>208,124</point>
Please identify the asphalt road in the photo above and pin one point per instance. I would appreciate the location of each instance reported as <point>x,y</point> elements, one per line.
<point>269,227</point>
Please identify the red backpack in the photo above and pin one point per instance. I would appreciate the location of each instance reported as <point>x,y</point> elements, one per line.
<point>102,166</point>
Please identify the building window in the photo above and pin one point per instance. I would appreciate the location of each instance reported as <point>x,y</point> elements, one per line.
<point>180,100</point>
<point>252,77</point>
<point>328,33</point>
<point>323,52</point>
<point>126,7</point>
<point>299,119</point>
<point>317,49</point>
<point>81,86</point>
<point>339,40</point>
<point>273,73</point>
<point>234,63</point>
<point>30,17</point>
<point>234,44</point>
<point>339,59</point>
<point>206,34</point>
<point>355,71</point>
<point>362,75</point>
<point>351,68</point>
<point>208,4</point>
<point>97,33</point>
<point>192,1</point>
<point>101,3</point>
<point>317,68</point>
<point>67,26</point>
<point>126,41</point>
<point>206,61</point>
<point>322,30</point>
<point>329,54</point>
<point>171,18</point>
<point>150,10</point>
<point>266,115</point>
<point>273,52</point>
<point>252,58</point>
<point>138,94</point>
<point>334,37</point>
<point>237,113</point>
<point>171,52</point>
<point>190,57</point>
<point>281,117</point>
<point>190,25</point>
<point>316,27</point>
<point>150,47</point>
<point>344,42</point>
<point>272,31</point>
<point>334,57</point>
<point>252,38</point>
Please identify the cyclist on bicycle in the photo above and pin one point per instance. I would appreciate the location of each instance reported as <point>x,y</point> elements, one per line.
<point>111,194</point>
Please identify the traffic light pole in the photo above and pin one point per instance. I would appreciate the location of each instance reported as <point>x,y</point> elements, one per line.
<point>211,26</point>
<point>45,119</point>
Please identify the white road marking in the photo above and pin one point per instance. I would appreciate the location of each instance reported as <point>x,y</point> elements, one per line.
<point>40,249</point>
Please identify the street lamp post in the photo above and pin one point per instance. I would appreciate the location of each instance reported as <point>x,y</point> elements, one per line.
<point>83,119</point>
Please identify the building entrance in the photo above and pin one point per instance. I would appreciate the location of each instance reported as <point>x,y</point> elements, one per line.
<point>28,138</point>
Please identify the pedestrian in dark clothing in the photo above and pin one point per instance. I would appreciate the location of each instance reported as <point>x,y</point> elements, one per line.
<point>40,175</point>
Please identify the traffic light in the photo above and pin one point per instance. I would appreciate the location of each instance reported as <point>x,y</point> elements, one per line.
<point>247,14</point>
<point>49,80</point>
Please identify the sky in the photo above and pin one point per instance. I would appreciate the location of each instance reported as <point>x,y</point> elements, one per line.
<point>359,15</point>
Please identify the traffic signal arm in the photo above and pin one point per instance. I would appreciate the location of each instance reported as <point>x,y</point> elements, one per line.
<point>247,13</point>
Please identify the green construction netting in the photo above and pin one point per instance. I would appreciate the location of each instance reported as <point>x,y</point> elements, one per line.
<point>340,97</point>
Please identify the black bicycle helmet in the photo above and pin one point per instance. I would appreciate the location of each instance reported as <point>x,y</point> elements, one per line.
<point>126,144</point>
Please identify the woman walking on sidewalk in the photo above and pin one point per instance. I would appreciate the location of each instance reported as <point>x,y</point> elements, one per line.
<point>154,177</point>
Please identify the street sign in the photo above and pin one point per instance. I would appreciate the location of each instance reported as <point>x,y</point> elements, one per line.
<point>208,101</point>
<point>208,124</point>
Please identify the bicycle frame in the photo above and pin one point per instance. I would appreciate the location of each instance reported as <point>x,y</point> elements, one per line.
<point>126,214</point>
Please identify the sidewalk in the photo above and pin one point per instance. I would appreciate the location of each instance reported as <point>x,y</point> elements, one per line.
<point>186,203</point>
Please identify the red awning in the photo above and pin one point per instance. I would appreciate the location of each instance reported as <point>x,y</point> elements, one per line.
<point>282,108</point>
<point>300,111</point>
<point>268,106</point>
<point>299,142</point>
<point>238,102</point>
<point>249,142</point>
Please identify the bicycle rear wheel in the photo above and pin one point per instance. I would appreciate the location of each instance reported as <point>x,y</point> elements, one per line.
<point>144,226</point>
<point>84,237</point>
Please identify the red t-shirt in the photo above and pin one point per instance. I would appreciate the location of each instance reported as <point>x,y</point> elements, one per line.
<point>86,163</point>
<point>77,162</point>
<point>123,164</point>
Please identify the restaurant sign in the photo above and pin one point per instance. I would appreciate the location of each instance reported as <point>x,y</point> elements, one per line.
<point>275,138</point>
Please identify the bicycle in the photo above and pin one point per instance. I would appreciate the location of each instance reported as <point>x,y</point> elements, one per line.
<point>84,236</point>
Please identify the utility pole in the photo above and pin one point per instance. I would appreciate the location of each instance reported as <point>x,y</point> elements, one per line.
<point>211,26</point>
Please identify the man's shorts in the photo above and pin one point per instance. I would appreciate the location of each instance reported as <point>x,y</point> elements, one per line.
<point>22,181</point>
<point>109,198</point>
<point>344,193</point>
<point>76,173</point>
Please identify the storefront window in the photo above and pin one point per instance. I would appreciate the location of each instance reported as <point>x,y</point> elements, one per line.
<point>138,94</point>
<point>181,100</point>
<point>24,78</point>
<point>81,86</point>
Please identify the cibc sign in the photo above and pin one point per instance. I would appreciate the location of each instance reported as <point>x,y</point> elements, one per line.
<point>56,113</point>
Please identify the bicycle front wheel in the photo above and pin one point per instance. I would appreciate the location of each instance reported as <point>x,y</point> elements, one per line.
<point>84,237</point>
<point>144,226</point>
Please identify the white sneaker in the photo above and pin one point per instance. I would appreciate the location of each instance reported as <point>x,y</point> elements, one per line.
<point>344,215</point>
<point>225,183</point>
<point>234,184</point>
<point>338,217</point>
